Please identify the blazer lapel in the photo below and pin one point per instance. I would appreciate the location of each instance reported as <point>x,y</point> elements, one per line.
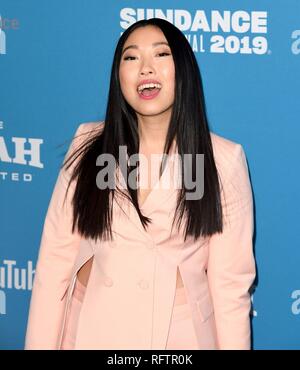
<point>165,188</point>
<point>162,192</point>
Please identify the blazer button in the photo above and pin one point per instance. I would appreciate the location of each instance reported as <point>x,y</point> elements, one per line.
<point>108,281</point>
<point>143,284</point>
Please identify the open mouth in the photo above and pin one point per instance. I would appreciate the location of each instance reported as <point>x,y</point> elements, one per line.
<point>149,90</point>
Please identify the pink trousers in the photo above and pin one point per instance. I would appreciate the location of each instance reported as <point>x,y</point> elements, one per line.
<point>181,332</point>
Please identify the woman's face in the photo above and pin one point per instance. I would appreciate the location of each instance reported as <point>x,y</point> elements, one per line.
<point>147,60</point>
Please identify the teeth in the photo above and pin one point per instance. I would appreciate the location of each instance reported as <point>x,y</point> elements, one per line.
<point>144,86</point>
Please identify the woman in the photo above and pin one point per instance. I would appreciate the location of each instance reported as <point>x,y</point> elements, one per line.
<point>132,267</point>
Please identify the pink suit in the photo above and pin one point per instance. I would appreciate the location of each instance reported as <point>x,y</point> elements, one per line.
<point>130,293</point>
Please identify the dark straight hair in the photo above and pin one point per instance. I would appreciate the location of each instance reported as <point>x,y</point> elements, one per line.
<point>92,206</point>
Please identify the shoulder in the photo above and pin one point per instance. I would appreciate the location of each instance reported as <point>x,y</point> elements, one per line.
<point>229,155</point>
<point>83,133</point>
<point>90,127</point>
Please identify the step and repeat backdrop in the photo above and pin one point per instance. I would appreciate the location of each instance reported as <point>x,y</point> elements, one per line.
<point>55,61</point>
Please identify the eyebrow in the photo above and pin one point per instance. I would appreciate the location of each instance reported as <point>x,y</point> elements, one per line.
<point>136,47</point>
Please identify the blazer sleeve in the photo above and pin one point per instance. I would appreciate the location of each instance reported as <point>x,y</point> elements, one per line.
<point>231,265</point>
<point>57,253</point>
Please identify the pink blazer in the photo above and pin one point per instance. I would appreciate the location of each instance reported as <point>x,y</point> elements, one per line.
<point>131,288</point>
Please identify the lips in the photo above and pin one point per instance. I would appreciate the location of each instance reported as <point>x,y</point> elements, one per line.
<point>148,81</point>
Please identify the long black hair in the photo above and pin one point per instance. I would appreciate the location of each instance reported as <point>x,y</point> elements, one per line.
<point>92,207</point>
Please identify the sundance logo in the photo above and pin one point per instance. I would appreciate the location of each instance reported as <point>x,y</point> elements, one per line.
<point>213,31</point>
<point>19,151</point>
<point>296,43</point>
<point>2,39</point>
<point>296,304</point>
<point>2,302</point>
<point>6,24</point>
<point>23,151</point>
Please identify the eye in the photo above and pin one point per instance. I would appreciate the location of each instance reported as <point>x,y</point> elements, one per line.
<point>166,53</point>
<point>127,58</point>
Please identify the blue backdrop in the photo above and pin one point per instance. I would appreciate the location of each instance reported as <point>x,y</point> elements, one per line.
<point>55,60</point>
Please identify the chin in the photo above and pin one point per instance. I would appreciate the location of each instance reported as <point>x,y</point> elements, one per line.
<point>150,112</point>
<point>148,107</point>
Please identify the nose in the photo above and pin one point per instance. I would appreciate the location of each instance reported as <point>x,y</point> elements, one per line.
<point>146,69</point>
<point>146,73</point>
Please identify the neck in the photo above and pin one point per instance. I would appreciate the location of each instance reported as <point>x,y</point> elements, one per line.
<point>153,132</point>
